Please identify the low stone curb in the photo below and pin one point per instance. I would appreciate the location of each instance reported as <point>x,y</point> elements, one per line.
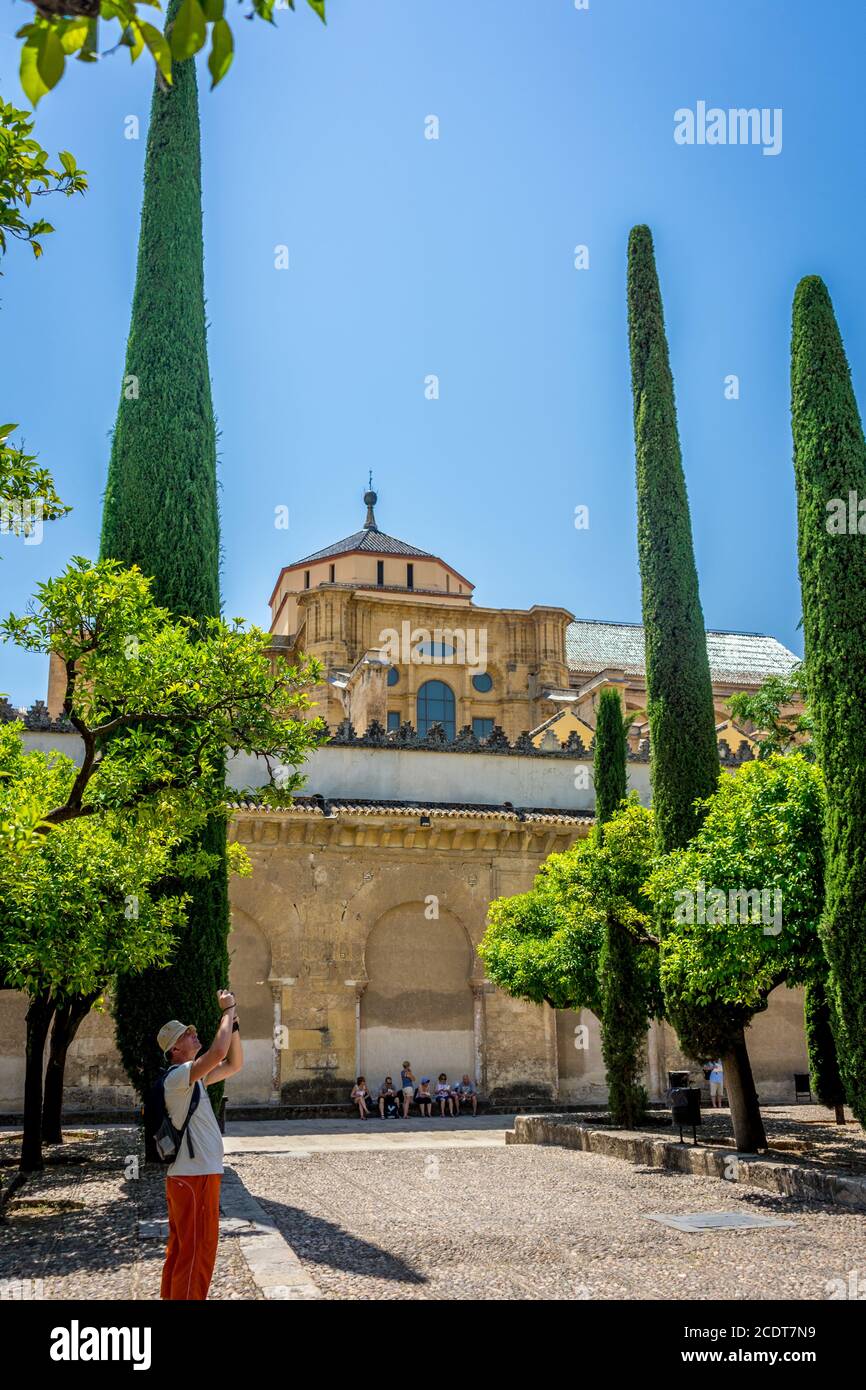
<point>272,1262</point>
<point>789,1180</point>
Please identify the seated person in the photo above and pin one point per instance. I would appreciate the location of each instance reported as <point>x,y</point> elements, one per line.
<point>361,1097</point>
<point>388,1099</point>
<point>423,1098</point>
<point>467,1091</point>
<point>444,1094</point>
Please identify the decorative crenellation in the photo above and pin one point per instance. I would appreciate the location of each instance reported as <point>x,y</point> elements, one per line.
<point>465,741</point>
<point>37,719</point>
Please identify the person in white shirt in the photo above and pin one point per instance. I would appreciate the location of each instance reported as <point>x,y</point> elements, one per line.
<point>192,1185</point>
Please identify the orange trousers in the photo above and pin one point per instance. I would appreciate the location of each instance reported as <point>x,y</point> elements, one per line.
<point>193,1235</point>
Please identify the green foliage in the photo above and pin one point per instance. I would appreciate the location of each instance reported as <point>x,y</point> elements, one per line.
<point>158,700</point>
<point>830,463</point>
<point>621,982</point>
<point>684,755</point>
<point>75,31</point>
<point>776,732</point>
<point>624,1017</point>
<point>90,899</point>
<point>579,940</point>
<point>540,946</point>
<point>160,508</point>
<point>25,174</point>
<point>27,490</point>
<point>824,1075</point>
<point>611,751</point>
<point>761,831</point>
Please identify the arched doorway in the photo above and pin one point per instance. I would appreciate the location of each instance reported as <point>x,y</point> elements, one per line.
<point>418,1003</point>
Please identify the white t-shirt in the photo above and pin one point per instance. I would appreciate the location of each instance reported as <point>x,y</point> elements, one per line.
<point>203,1128</point>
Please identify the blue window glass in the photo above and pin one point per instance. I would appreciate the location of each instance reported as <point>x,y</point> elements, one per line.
<point>483,682</point>
<point>482,728</point>
<point>393,675</point>
<point>393,720</point>
<point>435,706</point>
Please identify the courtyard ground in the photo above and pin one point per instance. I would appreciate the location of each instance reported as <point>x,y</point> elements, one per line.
<point>424,1210</point>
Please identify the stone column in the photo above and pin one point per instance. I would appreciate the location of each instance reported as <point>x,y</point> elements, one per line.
<point>278,983</point>
<point>359,986</point>
<point>477,987</point>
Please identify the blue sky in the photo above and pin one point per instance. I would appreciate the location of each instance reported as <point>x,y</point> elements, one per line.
<point>410,257</point>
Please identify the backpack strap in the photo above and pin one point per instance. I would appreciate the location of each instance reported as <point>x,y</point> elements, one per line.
<point>184,1129</point>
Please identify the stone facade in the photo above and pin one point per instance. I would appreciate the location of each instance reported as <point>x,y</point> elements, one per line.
<point>353,944</point>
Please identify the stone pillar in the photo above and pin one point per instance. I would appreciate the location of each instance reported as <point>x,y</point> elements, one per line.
<point>278,983</point>
<point>655,1046</point>
<point>359,986</point>
<point>477,987</point>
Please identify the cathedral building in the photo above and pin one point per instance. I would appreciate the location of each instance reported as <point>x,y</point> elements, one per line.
<point>459,757</point>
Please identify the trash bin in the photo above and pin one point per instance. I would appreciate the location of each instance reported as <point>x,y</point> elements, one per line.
<point>686,1109</point>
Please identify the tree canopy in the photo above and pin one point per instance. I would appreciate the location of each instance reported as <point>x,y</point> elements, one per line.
<point>156,700</point>
<point>74,29</point>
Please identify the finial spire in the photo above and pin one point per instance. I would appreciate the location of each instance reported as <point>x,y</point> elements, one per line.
<point>370,499</point>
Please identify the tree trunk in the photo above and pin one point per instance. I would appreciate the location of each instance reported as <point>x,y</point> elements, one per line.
<point>67,1021</point>
<point>749,1132</point>
<point>38,1021</point>
<point>840,1113</point>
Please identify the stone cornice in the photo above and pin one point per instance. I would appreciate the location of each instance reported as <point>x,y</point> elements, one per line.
<point>439,829</point>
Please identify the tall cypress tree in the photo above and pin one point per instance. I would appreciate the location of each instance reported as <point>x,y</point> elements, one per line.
<point>610,771</point>
<point>830,472</point>
<point>624,1013</point>
<point>684,756</point>
<point>684,751</point>
<point>160,512</point>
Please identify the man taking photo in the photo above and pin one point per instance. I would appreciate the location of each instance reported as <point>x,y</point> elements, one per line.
<point>192,1185</point>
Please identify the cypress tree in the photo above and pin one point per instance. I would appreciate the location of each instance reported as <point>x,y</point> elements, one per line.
<point>610,772</point>
<point>824,1075</point>
<point>830,472</point>
<point>684,752</point>
<point>623,990</point>
<point>684,757</point>
<point>160,513</point>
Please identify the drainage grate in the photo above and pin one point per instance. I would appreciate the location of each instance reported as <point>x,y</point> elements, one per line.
<point>713,1220</point>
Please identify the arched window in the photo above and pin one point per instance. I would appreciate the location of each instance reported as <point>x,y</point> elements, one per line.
<point>436,706</point>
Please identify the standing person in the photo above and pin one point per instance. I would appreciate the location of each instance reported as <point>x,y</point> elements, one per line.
<point>407,1082</point>
<point>467,1091</point>
<point>717,1084</point>
<point>192,1184</point>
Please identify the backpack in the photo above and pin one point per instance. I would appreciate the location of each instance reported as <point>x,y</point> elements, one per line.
<point>158,1124</point>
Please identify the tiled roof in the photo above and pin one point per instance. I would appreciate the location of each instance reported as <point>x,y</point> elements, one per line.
<point>357,806</point>
<point>368,539</point>
<point>592,645</point>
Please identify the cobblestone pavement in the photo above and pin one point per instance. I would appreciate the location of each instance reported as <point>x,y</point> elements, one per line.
<point>387,1211</point>
<point>75,1227</point>
<point>538,1223</point>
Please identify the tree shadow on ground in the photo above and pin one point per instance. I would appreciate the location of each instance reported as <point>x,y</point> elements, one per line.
<point>323,1243</point>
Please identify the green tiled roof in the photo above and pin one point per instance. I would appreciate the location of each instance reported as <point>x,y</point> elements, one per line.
<point>592,646</point>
